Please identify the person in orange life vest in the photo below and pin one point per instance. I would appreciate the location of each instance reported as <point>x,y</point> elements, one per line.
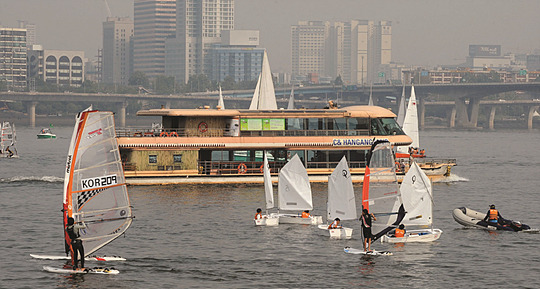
<point>259,215</point>
<point>366,220</point>
<point>493,216</point>
<point>305,214</point>
<point>335,224</point>
<point>400,232</point>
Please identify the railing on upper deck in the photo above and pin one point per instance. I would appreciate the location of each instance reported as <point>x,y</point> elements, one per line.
<point>148,132</point>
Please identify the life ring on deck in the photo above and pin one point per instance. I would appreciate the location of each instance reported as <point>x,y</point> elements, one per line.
<point>163,134</point>
<point>203,126</point>
<point>173,133</point>
<point>262,168</point>
<point>242,168</point>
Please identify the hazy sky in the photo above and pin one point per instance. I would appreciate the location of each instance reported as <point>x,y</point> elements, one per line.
<point>424,32</point>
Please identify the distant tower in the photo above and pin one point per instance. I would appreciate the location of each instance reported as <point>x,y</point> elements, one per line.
<point>117,50</point>
<point>13,58</point>
<point>199,26</point>
<point>30,32</point>
<point>308,40</point>
<point>155,21</point>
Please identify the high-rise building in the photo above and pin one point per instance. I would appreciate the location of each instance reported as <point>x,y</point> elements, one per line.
<point>154,22</point>
<point>117,50</point>
<point>354,50</point>
<point>198,28</point>
<point>13,58</point>
<point>309,40</point>
<point>30,32</point>
<point>237,56</point>
<point>60,67</point>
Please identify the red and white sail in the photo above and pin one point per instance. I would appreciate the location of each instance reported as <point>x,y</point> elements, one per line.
<point>95,191</point>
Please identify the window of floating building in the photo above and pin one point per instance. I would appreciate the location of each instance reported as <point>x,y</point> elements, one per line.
<point>152,159</point>
<point>177,158</point>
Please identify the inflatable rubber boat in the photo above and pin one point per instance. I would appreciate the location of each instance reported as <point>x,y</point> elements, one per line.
<point>472,218</point>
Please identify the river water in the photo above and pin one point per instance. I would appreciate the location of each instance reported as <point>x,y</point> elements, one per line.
<point>204,237</point>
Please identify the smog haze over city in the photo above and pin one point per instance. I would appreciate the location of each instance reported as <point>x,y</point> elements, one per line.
<point>424,32</point>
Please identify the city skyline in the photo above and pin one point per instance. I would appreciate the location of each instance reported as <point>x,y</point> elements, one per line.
<point>424,32</point>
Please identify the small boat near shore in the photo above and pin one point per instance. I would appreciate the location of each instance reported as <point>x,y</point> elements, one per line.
<point>472,218</point>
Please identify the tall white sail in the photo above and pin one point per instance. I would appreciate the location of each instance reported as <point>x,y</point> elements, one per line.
<point>221,103</point>
<point>401,109</point>
<point>410,124</point>
<point>383,198</point>
<point>8,140</point>
<point>264,97</point>
<point>95,191</point>
<point>268,189</point>
<point>417,197</point>
<point>341,202</point>
<point>290,105</point>
<point>370,101</point>
<point>294,189</point>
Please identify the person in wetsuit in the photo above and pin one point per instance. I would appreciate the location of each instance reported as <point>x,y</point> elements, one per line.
<point>77,248</point>
<point>366,220</point>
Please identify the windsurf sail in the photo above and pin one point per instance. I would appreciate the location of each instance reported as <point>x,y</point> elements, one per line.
<point>384,197</point>
<point>341,202</point>
<point>268,189</point>
<point>95,192</point>
<point>410,124</point>
<point>417,197</point>
<point>401,109</point>
<point>294,189</point>
<point>8,140</point>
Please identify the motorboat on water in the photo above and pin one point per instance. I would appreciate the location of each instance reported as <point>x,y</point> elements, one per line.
<point>46,133</point>
<point>472,218</point>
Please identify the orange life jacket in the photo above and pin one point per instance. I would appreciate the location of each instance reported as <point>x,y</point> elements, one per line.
<point>305,215</point>
<point>258,216</point>
<point>493,214</point>
<point>334,225</point>
<point>399,233</point>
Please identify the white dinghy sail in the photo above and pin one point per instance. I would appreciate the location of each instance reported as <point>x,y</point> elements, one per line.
<point>273,219</point>
<point>341,201</point>
<point>294,193</point>
<point>95,191</point>
<point>416,193</point>
<point>221,103</point>
<point>410,124</point>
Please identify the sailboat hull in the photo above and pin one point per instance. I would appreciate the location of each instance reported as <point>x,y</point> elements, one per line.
<point>342,233</point>
<point>414,236</point>
<point>296,219</point>
<point>271,220</point>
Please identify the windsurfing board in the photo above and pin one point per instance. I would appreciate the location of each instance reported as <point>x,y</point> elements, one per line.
<point>87,258</point>
<point>108,271</point>
<point>350,250</point>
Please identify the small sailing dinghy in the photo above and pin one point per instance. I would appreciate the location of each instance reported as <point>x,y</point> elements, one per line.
<point>95,192</point>
<point>273,219</point>
<point>8,141</point>
<point>380,191</point>
<point>416,193</point>
<point>294,193</point>
<point>341,202</point>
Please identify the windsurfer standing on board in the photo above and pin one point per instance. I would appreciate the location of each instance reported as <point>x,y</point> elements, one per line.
<point>76,246</point>
<point>366,228</point>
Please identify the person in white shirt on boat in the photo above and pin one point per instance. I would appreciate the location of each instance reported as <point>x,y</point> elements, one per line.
<point>335,224</point>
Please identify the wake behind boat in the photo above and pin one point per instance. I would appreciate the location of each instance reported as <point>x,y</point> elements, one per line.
<point>95,194</point>
<point>472,218</point>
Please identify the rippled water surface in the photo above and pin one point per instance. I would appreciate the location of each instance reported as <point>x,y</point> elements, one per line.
<point>203,236</point>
